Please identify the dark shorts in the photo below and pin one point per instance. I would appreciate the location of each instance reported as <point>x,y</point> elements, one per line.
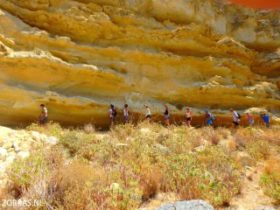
<point>148,116</point>
<point>189,119</point>
<point>43,120</point>
<point>166,117</point>
<point>235,123</point>
<point>209,122</point>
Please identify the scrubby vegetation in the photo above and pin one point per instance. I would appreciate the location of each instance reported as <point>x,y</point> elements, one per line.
<point>129,165</point>
<point>271,179</point>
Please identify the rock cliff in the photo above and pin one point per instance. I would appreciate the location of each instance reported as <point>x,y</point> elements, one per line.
<point>78,56</point>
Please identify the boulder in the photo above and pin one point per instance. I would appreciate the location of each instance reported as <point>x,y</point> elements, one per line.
<point>187,205</point>
<point>37,136</point>
<point>3,153</point>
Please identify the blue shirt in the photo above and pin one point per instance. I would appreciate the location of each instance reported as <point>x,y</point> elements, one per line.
<point>266,118</point>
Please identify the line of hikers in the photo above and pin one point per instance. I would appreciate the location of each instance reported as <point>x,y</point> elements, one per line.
<point>209,117</point>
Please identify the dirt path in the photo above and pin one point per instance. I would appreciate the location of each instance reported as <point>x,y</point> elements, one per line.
<point>251,195</point>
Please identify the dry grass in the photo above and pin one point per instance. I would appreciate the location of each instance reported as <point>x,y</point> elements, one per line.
<point>128,165</point>
<point>270,179</point>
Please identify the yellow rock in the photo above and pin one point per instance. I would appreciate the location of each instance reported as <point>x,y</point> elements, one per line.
<point>79,56</point>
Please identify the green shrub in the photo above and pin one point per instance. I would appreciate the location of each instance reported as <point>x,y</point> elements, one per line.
<point>271,184</point>
<point>51,129</point>
<point>79,144</point>
<point>26,172</point>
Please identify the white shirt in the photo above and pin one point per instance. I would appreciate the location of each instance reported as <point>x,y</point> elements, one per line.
<point>45,111</point>
<point>148,112</point>
<point>125,112</point>
<point>235,116</point>
<point>111,113</point>
<point>188,114</point>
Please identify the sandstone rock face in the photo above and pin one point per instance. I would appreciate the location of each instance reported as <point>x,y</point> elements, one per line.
<point>78,56</point>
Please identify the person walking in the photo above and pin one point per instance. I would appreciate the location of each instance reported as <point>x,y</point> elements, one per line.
<point>209,118</point>
<point>250,119</point>
<point>112,114</point>
<point>235,118</point>
<point>43,118</point>
<point>126,113</point>
<point>166,115</point>
<point>188,116</point>
<point>266,119</point>
<point>148,115</point>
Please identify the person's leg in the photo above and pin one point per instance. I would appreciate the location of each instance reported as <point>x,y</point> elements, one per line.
<point>126,119</point>
<point>167,122</point>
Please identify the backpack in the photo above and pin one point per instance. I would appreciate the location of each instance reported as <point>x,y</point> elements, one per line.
<point>115,112</point>
<point>239,116</point>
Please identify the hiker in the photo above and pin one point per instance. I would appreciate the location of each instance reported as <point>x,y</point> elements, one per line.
<point>250,119</point>
<point>43,118</point>
<point>235,117</point>
<point>266,119</point>
<point>112,114</point>
<point>209,118</point>
<point>166,115</point>
<point>148,115</point>
<point>126,113</point>
<point>188,116</point>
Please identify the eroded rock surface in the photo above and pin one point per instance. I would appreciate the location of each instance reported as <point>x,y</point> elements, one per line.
<point>78,56</point>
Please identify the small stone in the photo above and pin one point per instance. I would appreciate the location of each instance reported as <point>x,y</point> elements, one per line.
<point>23,154</point>
<point>16,147</point>
<point>200,148</point>
<point>162,149</point>
<point>115,187</point>
<point>52,140</point>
